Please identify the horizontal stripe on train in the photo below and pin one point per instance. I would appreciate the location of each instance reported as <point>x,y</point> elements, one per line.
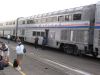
<point>63,27</point>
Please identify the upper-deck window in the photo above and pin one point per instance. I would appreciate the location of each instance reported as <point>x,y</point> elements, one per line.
<point>38,20</point>
<point>77,16</point>
<point>30,22</point>
<point>49,19</point>
<point>13,22</point>
<point>43,20</point>
<point>66,17</point>
<point>23,22</point>
<point>54,19</point>
<point>61,18</point>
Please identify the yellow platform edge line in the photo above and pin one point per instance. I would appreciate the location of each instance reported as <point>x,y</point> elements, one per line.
<point>22,73</point>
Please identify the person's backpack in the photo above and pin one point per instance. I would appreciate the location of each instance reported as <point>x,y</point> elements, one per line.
<point>24,50</point>
<point>6,49</point>
<point>1,65</point>
<point>15,63</point>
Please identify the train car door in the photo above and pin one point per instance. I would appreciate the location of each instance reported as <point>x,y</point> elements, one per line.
<point>46,35</point>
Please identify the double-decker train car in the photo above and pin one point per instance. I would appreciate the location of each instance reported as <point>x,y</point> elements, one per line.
<point>96,43</point>
<point>7,28</point>
<point>75,30</point>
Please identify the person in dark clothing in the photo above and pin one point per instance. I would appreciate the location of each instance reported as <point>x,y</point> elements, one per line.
<point>44,42</point>
<point>5,53</point>
<point>36,42</point>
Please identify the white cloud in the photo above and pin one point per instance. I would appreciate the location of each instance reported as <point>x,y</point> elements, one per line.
<point>11,9</point>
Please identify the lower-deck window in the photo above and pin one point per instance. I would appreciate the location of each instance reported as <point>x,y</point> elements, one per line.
<point>42,33</point>
<point>34,33</point>
<point>38,33</point>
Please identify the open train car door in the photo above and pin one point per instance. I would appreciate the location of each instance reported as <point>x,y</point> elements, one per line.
<point>46,35</point>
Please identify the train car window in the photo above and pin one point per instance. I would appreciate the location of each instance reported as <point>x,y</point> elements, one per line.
<point>43,20</point>
<point>66,17</point>
<point>34,33</point>
<point>38,20</point>
<point>23,22</point>
<point>42,34</point>
<point>10,23</point>
<point>52,35</point>
<point>20,22</point>
<point>13,32</point>
<point>61,18</point>
<point>13,22</point>
<point>31,21</point>
<point>77,17</point>
<point>54,19</point>
<point>27,21</point>
<point>38,33</point>
<point>7,23</point>
<point>49,19</point>
<point>23,32</point>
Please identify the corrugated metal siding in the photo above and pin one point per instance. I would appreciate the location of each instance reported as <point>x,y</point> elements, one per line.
<point>78,36</point>
<point>65,34</point>
<point>99,39</point>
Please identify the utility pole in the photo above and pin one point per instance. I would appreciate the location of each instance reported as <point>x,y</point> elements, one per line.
<point>17,27</point>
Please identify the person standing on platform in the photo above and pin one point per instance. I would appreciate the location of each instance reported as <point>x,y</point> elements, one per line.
<point>36,42</point>
<point>5,53</point>
<point>19,52</point>
<point>44,42</point>
<point>8,38</point>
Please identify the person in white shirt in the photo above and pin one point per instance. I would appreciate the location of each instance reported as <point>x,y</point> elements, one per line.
<point>8,37</point>
<point>19,52</point>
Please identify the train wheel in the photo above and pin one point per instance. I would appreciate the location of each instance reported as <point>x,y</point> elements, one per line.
<point>68,49</point>
<point>76,52</point>
<point>61,47</point>
<point>65,48</point>
<point>79,53</point>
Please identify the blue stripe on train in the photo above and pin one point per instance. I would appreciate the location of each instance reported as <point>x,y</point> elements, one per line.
<point>96,27</point>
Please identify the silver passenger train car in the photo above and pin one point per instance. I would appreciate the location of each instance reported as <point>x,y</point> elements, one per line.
<point>75,30</point>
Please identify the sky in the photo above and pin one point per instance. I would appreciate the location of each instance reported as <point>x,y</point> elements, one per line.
<point>12,9</point>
